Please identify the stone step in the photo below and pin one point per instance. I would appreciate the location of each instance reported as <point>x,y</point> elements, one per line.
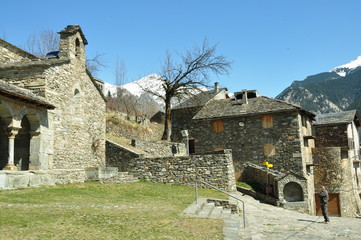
<point>226,213</point>
<point>216,212</point>
<point>206,210</point>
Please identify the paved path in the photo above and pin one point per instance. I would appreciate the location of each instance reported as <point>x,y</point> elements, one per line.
<point>265,221</point>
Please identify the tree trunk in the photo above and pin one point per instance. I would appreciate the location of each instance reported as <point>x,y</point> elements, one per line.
<point>166,131</point>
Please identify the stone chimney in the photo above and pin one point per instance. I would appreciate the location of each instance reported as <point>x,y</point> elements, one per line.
<point>244,97</point>
<point>216,87</point>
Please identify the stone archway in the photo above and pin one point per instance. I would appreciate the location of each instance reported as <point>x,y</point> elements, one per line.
<point>293,192</point>
<point>5,121</point>
<point>22,145</point>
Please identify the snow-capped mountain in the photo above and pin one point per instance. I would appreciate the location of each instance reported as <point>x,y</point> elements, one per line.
<point>345,69</point>
<point>135,88</point>
<point>336,90</point>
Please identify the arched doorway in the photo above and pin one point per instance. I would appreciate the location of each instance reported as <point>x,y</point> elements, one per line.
<point>5,120</point>
<point>4,143</point>
<point>22,145</point>
<point>292,192</point>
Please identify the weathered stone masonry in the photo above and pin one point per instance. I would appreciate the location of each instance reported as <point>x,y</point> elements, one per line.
<point>216,169</point>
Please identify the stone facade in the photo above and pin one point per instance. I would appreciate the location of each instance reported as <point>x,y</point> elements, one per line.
<point>69,135</point>
<point>335,171</point>
<point>337,157</point>
<point>257,129</point>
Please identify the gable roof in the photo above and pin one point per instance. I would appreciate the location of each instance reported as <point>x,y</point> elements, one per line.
<point>200,99</point>
<point>338,118</point>
<point>24,95</point>
<point>227,108</point>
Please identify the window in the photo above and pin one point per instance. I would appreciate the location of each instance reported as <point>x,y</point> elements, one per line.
<point>267,121</point>
<point>304,121</point>
<point>218,126</point>
<point>77,47</point>
<point>269,150</point>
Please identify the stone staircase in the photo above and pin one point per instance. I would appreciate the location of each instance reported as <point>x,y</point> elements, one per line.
<point>226,210</point>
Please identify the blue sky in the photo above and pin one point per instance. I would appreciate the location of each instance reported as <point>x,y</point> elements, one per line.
<point>271,43</point>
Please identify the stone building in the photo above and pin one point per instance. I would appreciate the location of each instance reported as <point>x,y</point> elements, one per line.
<point>52,111</point>
<point>257,129</point>
<point>337,154</point>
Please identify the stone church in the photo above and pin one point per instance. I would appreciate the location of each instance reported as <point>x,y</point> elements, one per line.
<point>52,111</point>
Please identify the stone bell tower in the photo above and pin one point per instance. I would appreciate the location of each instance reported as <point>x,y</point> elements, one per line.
<point>72,43</point>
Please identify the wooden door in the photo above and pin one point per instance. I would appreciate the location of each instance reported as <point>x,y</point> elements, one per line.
<point>333,205</point>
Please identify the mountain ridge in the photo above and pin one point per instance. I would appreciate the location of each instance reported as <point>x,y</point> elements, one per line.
<point>333,91</point>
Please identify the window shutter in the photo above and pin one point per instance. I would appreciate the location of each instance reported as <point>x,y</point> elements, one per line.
<point>267,121</point>
<point>218,126</point>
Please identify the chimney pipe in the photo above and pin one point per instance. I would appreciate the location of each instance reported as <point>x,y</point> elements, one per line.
<point>216,87</point>
<point>244,97</point>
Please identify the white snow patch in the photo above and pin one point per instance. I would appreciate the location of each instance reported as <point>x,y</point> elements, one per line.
<point>341,70</point>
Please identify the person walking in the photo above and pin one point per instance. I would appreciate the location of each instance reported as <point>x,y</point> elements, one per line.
<point>324,203</point>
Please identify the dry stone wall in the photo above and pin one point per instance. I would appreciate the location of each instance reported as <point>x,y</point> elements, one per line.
<point>160,149</point>
<point>216,169</point>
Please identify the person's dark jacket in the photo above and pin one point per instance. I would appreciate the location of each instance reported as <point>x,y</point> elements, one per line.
<point>323,197</point>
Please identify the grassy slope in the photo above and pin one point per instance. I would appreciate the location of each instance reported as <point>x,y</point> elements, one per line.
<point>122,131</point>
<point>104,211</point>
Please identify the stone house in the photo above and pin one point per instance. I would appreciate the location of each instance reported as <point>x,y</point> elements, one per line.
<point>182,114</point>
<point>257,129</point>
<point>337,158</point>
<point>52,111</point>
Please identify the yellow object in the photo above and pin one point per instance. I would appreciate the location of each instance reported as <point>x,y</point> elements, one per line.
<point>265,163</point>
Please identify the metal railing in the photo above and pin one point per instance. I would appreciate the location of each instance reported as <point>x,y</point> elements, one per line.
<point>243,209</point>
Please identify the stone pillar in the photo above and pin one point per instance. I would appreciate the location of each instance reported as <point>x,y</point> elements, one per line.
<point>11,135</point>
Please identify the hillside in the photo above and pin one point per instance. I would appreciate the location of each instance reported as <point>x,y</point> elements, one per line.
<point>122,131</point>
<point>333,91</point>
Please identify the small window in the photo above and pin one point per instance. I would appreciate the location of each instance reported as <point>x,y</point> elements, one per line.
<point>267,121</point>
<point>304,121</point>
<point>77,47</point>
<point>269,150</point>
<point>305,142</point>
<point>76,93</point>
<point>218,126</point>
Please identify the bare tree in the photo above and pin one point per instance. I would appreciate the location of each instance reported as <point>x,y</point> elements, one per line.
<point>95,64</point>
<point>184,78</point>
<point>39,44</point>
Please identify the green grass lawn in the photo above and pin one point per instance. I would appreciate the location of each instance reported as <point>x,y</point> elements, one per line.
<point>104,211</point>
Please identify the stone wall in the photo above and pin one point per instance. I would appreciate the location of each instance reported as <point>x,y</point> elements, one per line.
<point>160,148</point>
<point>331,135</point>
<point>335,172</point>
<point>216,169</point>
<point>119,156</point>
<point>247,141</point>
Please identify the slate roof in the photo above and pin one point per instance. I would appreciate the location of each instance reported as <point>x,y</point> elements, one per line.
<point>227,108</point>
<point>199,100</point>
<point>20,51</point>
<point>338,118</point>
<point>23,95</point>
